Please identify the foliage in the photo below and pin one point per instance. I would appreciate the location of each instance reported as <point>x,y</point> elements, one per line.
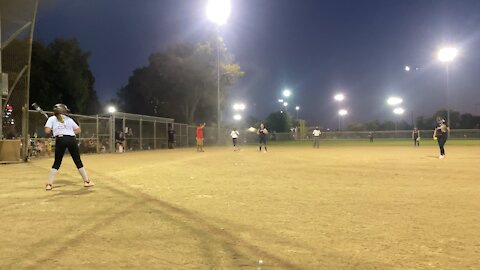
<point>60,73</point>
<point>181,83</point>
<point>279,122</point>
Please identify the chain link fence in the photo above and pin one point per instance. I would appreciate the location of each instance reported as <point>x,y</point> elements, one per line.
<point>16,31</point>
<point>119,132</point>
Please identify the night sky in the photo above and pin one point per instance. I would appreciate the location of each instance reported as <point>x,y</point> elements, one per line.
<point>315,48</point>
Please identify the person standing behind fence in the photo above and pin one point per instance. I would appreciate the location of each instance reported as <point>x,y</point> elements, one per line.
<point>370,136</point>
<point>171,137</point>
<point>316,137</point>
<point>416,137</point>
<point>441,135</point>
<point>199,137</point>
<point>235,134</point>
<point>64,130</point>
<point>262,136</point>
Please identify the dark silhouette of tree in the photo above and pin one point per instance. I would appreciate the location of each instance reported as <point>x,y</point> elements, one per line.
<point>181,83</point>
<point>60,73</point>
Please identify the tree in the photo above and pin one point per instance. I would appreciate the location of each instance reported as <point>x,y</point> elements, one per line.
<point>181,83</point>
<point>60,73</point>
<point>279,122</point>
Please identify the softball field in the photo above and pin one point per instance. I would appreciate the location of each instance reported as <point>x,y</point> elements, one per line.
<point>378,206</point>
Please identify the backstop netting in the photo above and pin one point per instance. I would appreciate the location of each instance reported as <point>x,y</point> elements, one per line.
<point>17,19</point>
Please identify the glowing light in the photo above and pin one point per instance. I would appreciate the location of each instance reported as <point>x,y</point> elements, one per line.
<point>237,117</point>
<point>342,112</point>
<point>111,109</point>
<point>280,100</point>
<point>239,106</point>
<point>394,101</point>
<point>339,97</point>
<point>407,68</point>
<point>447,54</point>
<point>297,108</point>
<point>287,93</point>
<point>285,104</point>
<point>398,111</point>
<point>218,11</point>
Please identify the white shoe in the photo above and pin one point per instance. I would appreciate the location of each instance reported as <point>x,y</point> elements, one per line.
<point>441,157</point>
<point>88,183</point>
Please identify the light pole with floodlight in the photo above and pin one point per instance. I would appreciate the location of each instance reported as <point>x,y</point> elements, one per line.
<point>341,114</point>
<point>112,110</point>
<point>218,12</point>
<point>397,111</point>
<point>447,55</point>
<point>339,98</point>
<point>297,108</point>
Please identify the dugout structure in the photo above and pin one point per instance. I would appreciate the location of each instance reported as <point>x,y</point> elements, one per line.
<point>17,21</point>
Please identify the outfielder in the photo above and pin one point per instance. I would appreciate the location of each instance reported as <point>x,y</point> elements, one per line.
<point>64,130</point>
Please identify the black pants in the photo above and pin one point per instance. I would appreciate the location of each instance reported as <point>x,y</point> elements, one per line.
<point>415,141</point>
<point>70,143</point>
<point>441,142</point>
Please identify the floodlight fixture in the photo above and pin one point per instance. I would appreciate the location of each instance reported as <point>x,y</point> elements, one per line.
<point>285,104</point>
<point>237,117</point>
<point>447,54</point>
<point>111,109</point>
<point>297,108</point>
<point>339,97</point>
<point>342,112</point>
<point>393,101</point>
<point>218,11</point>
<point>287,93</point>
<point>398,110</point>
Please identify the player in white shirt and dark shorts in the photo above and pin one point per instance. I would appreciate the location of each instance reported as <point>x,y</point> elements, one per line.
<point>64,130</point>
<point>234,134</point>
<point>316,137</point>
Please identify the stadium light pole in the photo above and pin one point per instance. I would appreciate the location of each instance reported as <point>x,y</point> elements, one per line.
<point>112,110</point>
<point>218,12</point>
<point>339,98</point>
<point>447,55</point>
<point>397,111</point>
<point>341,114</point>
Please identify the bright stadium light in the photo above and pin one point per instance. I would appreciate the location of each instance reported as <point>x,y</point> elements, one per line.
<point>407,68</point>
<point>218,11</point>
<point>239,106</point>
<point>393,101</point>
<point>285,104</point>
<point>286,93</point>
<point>339,97</point>
<point>280,100</point>
<point>237,117</point>
<point>111,109</point>
<point>447,54</point>
<point>297,108</point>
<point>398,110</point>
<point>342,112</point>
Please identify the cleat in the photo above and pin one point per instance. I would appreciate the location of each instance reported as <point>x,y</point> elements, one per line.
<point>88,183</point>
<point>48,187</point>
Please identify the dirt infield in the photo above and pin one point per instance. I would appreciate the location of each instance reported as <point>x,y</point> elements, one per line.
<point>338,207</point>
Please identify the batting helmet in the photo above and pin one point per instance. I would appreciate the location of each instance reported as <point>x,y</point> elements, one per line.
<point>60,108</point>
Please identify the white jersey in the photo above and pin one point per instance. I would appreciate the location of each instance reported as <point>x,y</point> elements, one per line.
<point>65,128</point>
<point>316,132</point>
<point>234,134</point>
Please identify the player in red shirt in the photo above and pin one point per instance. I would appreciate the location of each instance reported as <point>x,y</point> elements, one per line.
<point>200,137</point>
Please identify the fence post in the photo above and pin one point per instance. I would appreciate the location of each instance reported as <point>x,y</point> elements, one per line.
<point>155,134</point>
<point>141,135</point>
<point>98,138</point>
<point>111,133</point>
<point>188,144</point>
